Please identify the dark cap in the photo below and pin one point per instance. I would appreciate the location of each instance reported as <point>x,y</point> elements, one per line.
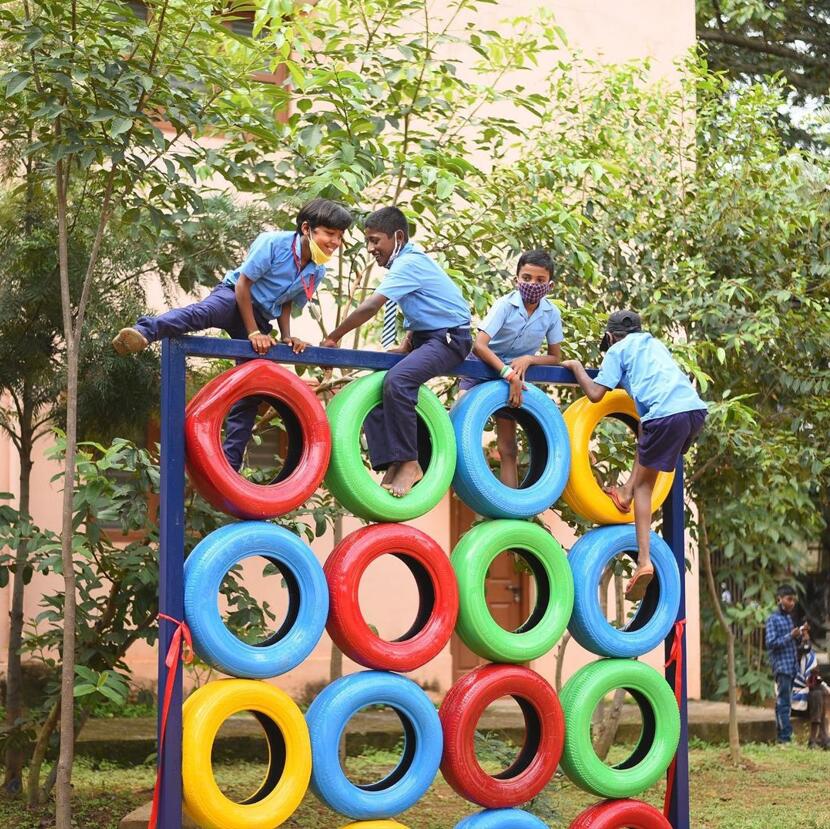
<point>620,322</point>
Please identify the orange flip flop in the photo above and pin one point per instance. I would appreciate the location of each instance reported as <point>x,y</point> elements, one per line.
<point>636,588</point>
<point>614,495</point>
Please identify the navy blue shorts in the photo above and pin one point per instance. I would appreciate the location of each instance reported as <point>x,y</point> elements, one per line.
<point>664,439</point>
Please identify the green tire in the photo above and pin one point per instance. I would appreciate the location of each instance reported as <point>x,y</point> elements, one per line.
<point>349,480</point>
<point>658,740</point>
<point>476,626</point>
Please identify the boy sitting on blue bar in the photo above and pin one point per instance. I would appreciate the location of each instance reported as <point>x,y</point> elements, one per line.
<point>283,269</point>
<point>671,417</point>
<point>437,323</point>
<point>508,341</point>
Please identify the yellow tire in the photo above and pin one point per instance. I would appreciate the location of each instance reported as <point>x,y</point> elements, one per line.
<point>289,749</point>
<point>583,494</point>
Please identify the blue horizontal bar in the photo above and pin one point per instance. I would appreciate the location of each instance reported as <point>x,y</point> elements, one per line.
<point>351,358</point>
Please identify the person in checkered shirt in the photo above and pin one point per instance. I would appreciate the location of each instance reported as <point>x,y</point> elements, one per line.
<point>782,649</point>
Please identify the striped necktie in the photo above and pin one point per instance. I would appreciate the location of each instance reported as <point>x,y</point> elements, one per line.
<point>389,332</point>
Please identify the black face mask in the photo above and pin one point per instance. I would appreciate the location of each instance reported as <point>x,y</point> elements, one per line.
<point>605,343</point>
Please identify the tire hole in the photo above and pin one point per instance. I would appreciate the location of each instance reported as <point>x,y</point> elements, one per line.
<point>635,727</point>
<point>413,597</point>
<point>612,450</point>
<point>275,447</point>
<point>264,614</point>
<point>424,443</point>
<point>382,767</point>
<point>264,759</point>
<point>505,756</point>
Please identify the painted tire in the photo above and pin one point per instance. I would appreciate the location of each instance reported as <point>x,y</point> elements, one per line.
<point>550,453</point>
<point>308,599</point>
<point>437,597</point>
<point>349,480</point>
<point>289,766</point>
<point>375,824</point>
<point>657,611</point>
<point>583,494</point>
<point>621,814</point>
<point>658,740</point>
<point>544,726</point>
<point>214,478</point>
<point>476,626</point>
<point>327,717</point>
<point>501,819</point>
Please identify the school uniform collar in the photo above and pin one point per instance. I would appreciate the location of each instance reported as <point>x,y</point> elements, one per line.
<point>515,299</point>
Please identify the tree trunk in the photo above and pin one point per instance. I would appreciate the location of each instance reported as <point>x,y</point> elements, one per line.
<point>610,722</point>
<point>63,807</point>
<point>336,657</point>
<point>15,756</point>
<point>560,660</point>
<point>38,756</point>
<point>706,558</point>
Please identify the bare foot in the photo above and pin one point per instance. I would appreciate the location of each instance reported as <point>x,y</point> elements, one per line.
<point>129,341</point>
<point>389,475</point>
<point>639,583</point>
<point>409,473</point>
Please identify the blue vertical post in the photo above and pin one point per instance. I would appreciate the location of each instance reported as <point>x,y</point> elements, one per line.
<point>171,563</point>
<point>673,533</point>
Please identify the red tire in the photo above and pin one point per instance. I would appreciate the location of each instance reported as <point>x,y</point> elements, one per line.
<point>621,814</point>
<point>437,597</point>
<point>214,478</point>
<point>544,735</point>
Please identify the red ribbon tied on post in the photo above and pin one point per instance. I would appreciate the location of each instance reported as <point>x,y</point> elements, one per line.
<point>181,647</point>
<point>676,659</point>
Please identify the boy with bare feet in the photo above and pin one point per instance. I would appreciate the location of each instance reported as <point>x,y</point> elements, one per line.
<point>508,340</point>
<point>671,417</point>
<point>437,323</point>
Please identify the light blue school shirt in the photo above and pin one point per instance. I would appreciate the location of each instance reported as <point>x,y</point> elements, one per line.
<point>644,367</point>
<point>515,334</point>
<point>271,267</point>
<point>428,298</point>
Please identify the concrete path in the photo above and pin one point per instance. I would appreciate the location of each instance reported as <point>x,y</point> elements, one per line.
<point>133,740</point>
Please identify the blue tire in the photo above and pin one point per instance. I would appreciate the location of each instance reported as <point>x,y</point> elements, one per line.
<point>501,819</point>
<point>550,453</point>
<point>657,611</point>
<point>308,599</point>
<point>423,744</point>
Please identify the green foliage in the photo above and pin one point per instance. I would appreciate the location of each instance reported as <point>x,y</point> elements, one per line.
<point>753,40</point>
<point>116,555</point>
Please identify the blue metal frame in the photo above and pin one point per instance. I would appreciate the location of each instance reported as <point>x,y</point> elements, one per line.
<point>171,531</point>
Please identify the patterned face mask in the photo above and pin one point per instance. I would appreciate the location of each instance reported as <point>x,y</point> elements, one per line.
<point>532,292</point>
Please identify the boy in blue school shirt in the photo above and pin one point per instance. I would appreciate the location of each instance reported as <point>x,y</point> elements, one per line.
<point>437,323</point>
<point>282,271</point>
<point>671,417</point>
<point>508,340</point>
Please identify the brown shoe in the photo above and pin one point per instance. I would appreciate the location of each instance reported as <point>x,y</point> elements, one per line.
<point>129,341</point>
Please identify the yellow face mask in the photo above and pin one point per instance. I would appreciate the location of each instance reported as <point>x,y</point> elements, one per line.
<point>318,255</point>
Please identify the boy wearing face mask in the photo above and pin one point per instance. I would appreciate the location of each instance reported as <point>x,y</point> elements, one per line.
<point>671,417</point>
<point>283,270</point>
<point>437,323</point>
<point>508,340</point>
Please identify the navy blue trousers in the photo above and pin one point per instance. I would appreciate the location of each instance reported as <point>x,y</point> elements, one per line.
<point>392,429</point>
<point>217,310</point>
<point>783,701</point>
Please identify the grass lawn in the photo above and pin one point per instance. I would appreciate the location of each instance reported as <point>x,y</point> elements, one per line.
<point>774,789</point>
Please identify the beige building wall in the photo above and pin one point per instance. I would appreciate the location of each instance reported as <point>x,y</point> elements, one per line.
<point>609,30</point>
